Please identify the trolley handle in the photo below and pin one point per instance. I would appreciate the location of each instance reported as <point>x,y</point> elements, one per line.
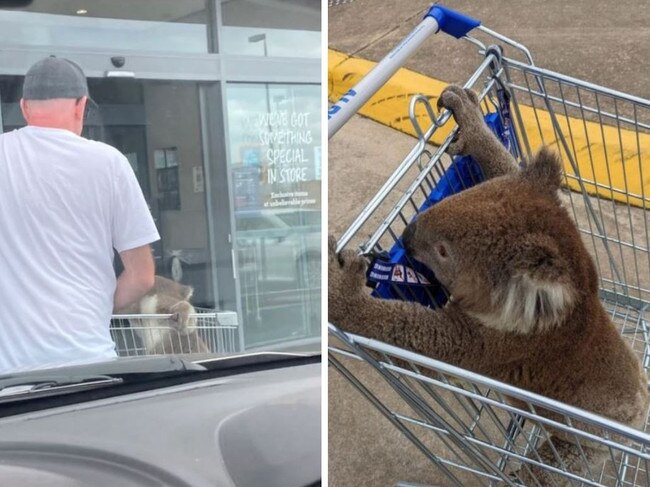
<point>438,18</point>
<point>452,22</point>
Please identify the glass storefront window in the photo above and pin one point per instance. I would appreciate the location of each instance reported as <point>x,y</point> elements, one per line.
<point>288,28</point>
<point>142,25</point>
<point>274,133</point>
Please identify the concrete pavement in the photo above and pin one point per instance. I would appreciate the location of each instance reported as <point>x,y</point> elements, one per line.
<point>605,42</point>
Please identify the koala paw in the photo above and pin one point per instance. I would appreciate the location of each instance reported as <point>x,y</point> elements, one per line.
<point>346,276</point>
<point>464,106</point>
<point>181,319</point>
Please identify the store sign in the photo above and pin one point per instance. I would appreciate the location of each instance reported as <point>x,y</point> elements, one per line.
<point>275,144</point>
<point>286,142</point>
<point>288,139</point>
<point>246,183</point>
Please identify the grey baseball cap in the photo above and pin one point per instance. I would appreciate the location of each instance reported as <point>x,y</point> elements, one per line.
<point>54,77</point>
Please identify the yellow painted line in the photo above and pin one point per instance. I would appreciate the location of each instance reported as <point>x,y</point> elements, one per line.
<point>390,104</point>
<point>613,163</point>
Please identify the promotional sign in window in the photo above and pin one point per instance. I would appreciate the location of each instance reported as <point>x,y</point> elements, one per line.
<point>275,142</point>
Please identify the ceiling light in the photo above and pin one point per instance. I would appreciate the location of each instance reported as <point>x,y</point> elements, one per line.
<point>82,11</point>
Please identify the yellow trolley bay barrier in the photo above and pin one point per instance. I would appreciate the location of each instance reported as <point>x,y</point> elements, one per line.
<point>613,162</point>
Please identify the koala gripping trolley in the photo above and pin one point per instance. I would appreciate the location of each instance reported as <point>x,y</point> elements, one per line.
<point>478,431</point>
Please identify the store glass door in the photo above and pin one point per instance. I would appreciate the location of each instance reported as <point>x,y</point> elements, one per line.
<point>157,126</point>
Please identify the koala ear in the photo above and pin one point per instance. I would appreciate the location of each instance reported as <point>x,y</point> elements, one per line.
<point>187,292</point>
<point>545,170</point>
<point>539,292</point>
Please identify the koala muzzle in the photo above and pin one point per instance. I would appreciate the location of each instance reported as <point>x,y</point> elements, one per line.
<point>408,236</point>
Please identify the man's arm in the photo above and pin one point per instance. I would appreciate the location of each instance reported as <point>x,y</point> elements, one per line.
<point>136,279</point>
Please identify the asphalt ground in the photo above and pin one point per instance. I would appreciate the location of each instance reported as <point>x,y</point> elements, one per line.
<point>607,43</point>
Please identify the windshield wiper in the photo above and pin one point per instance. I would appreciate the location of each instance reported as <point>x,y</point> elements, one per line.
<point>79,378</point>
<point>44,386</point>
<point>51,384</point>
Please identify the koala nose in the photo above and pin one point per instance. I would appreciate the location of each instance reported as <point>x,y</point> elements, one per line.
<point>407,237</point>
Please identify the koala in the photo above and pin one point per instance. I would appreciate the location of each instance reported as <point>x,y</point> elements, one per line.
<point>172,336</point>
<point>524,306</point>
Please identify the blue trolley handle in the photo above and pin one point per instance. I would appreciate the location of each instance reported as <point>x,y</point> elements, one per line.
<point>451,22</point>
<point>438,18</point>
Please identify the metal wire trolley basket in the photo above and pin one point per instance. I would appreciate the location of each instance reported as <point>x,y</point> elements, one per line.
<point>468,425</point>
<point>210,332</point>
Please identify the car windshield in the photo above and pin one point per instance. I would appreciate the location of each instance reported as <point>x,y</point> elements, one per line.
<point>203,153</point>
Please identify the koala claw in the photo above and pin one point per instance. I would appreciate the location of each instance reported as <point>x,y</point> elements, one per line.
<point>347,261</point>
<point>346,274</point>
<point>465,108</point>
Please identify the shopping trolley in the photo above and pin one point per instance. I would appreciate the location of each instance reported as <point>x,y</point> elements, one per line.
<point>219,332</point>
<point>464,423</point>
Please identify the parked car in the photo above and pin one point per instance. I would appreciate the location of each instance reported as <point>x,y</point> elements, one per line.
<point>277,248</point>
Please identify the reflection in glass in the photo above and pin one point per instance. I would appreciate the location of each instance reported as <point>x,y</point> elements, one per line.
<point>274,133</point>
<point>144,25</point>
<point>289,28</point>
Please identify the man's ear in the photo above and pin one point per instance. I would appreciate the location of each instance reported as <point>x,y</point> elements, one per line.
<point>80,107</point>
<point>544,171</point>
<point>24,107</point>
<point>539,292</point>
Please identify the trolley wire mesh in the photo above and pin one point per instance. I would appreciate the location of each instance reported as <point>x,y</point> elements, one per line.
<point>136,335</point>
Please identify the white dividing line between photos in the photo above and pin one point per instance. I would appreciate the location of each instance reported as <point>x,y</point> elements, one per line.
<point>324,235</point>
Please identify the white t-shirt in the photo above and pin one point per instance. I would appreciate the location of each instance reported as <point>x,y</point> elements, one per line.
<point>65,203</point>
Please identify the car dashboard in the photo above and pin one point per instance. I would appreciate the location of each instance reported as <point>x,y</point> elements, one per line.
<point>256,428</point>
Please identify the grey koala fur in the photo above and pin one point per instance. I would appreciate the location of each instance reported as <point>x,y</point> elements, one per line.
<point>171,336</point>
<point>525,307</point>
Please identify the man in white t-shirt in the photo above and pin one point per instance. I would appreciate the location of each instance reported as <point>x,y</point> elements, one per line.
<point>65,203</point>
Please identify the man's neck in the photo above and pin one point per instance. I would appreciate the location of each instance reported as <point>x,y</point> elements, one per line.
<point>53,124</point>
